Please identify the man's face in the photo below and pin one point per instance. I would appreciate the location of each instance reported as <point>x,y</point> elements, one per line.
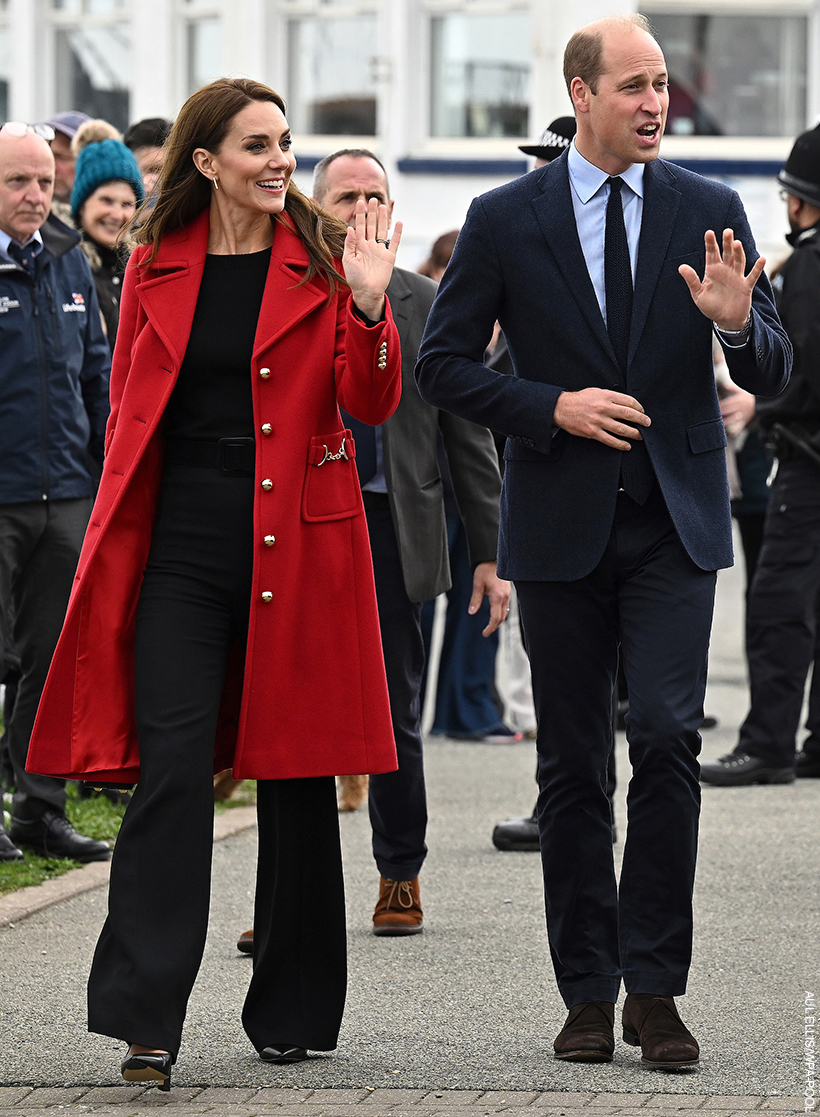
<point>350,178</point>
<point>63,167</point>
<point>149,160</point>
<point>26,184</point>
<point>623,122</point>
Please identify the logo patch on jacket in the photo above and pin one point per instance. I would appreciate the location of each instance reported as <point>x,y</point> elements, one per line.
<point>77,306</point>
<point>7,304</point>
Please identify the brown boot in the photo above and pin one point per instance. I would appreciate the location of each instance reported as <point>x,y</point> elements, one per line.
<point>587,1036</point>
<point>352,791</point>
<point>653,1024</point>
<point>398,911</point>
<point>224,785</point>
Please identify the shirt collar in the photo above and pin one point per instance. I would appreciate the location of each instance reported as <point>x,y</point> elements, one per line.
<point>587,179</point>
<point>5,241</point>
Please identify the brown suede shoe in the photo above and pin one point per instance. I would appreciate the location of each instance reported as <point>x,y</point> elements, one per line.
<point>352,791</point>
<point>398,911</point>
<point>587,1036</point>
<point>653,1024</point>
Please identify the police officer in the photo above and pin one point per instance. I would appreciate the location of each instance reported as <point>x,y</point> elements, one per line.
<point>782,607</point>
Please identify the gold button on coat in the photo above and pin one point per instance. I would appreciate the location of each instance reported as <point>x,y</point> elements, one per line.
<point>267,596</point>
<point>267,484</point>
<point>269,540</point>
<point>267,428</point>
<point>264,373</point>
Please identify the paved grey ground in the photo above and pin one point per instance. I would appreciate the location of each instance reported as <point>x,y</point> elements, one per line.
<point>469,1006</point>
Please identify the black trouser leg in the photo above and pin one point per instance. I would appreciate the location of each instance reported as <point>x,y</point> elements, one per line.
<point>648,595</point>
<point>193,606</point>
<point>297,992</point>
<point>781,616</point>
<point>398,800</point>
<point>39,547</point>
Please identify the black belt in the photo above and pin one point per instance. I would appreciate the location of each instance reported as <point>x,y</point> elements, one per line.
<point>230,455</point>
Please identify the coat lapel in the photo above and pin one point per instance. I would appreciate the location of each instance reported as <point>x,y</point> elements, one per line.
<point>553,209</point>
<point>169,290</point>
<point>287,299</point>
<point>660,207</point>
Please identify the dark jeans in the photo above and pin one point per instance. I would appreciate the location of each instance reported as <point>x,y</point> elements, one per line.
<point>40,543</point>
<point>781,625</point>
<point>193,606</point>
<point>647,595</point>
<point>465,690</point>
<point>398,800</point>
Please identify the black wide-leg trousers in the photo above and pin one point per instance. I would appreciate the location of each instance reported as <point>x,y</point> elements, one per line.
<point>193,608</point>
<point>647,595</point>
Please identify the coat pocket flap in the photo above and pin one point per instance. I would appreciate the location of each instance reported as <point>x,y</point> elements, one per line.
<point>710,435</point>
<point>331,489</point>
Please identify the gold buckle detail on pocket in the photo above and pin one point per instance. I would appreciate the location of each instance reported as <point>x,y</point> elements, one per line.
<point>342,454</point>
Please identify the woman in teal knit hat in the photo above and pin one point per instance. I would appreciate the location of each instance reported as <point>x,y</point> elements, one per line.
<point>107,191</point>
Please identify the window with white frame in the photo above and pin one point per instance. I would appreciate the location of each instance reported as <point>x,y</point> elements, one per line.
<point>480,73</point>
<point>5,63</point>
<point>734,74</point>
<point>331,60</point>
<point>92,58</point>
<point>203,51</point>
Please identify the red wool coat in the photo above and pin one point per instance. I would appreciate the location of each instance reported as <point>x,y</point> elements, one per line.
<point>312,699</point>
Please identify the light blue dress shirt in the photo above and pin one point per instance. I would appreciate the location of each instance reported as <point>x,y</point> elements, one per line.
<point>590,193</point>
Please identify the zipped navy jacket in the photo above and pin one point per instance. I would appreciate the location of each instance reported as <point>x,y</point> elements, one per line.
<point>54,368</point>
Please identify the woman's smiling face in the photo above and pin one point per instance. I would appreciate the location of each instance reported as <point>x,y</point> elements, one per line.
<point>254,163</point>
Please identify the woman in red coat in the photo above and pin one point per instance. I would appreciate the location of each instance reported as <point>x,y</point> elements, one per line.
<point>224,610</point>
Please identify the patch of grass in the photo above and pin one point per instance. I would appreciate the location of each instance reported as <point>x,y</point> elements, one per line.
<point>96,818</point>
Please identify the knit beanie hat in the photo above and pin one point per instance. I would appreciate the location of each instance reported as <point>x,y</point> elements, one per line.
<point>101,157</point>
<point>801,175</point>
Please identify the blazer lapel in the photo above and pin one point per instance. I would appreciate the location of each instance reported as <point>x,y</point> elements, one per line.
<point>287,299</point>
<point>169,290</point>
<point>660,207</point>
<point>556,217</point>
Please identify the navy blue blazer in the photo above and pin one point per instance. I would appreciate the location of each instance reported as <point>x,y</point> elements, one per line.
<point>518,259</point>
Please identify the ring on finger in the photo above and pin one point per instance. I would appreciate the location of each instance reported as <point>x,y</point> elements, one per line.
<point>383,240</point>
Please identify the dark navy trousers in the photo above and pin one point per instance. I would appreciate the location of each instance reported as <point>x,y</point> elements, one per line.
<point>398,800</point>
<point>647,595</point>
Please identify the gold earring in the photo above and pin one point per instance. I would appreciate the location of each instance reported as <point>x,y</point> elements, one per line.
<point>216,182</point>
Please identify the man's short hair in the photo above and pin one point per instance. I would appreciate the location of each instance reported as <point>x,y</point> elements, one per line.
<point>320,170</point>
<point>584,54</point>
<point>151,132</point>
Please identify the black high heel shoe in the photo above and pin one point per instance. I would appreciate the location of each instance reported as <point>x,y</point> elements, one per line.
<point>148,1066</point>
<point>283,1053</point>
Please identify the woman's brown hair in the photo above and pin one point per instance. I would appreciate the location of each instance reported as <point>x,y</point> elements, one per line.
<point>182,193</point>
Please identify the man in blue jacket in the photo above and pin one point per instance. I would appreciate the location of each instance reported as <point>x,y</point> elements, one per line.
<point>615,504</point>
<point>54,366</point>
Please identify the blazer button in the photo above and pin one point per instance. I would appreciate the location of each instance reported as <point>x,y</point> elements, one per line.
<point>269,540</point>
<point>264,373</point>
<point>267,429</point>
<point>267,484</point>
<point>267,597</point>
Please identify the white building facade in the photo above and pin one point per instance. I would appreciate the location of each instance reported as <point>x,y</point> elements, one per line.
<point>443,91</point>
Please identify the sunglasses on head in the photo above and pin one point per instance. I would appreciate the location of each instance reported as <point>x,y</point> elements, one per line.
<point>19,128</point>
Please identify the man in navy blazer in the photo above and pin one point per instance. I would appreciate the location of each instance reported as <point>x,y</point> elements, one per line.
<point>611,272</point>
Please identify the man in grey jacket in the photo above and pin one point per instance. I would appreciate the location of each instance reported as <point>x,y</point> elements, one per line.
<point>404,503</point>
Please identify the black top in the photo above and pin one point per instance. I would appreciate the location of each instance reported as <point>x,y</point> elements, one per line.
<point>212,397</point>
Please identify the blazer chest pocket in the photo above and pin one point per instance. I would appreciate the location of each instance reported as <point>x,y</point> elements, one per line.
<point>331,489</point>
<point>710,435</point>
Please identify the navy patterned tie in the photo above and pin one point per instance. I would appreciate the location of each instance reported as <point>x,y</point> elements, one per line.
<point>636,471</point>
<point>24,255</point>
